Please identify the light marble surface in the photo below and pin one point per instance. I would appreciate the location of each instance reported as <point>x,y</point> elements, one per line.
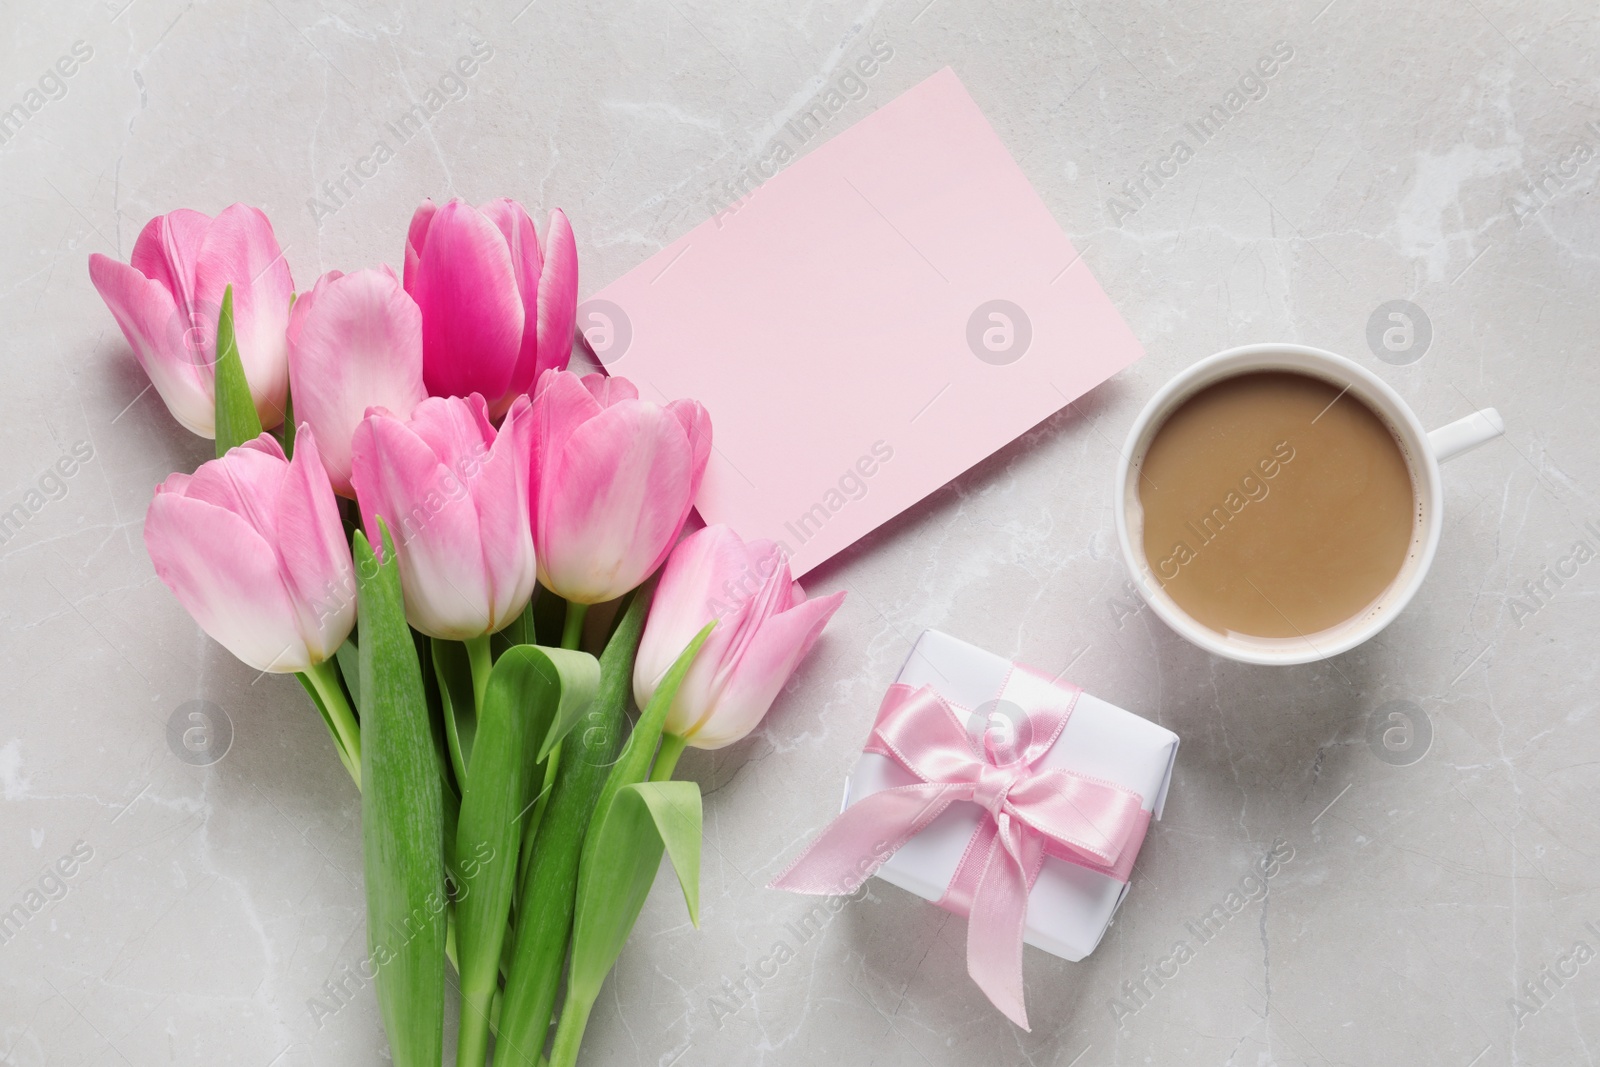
<point>1384,162</point>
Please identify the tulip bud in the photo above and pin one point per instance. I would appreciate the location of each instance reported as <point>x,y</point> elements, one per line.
<point>252,545</point>
<point>615,478</point>
<point>765,628</point>
<point>168,298</point>
<point>455,496</point>
<point>497,310</point>
<point>355,342</point>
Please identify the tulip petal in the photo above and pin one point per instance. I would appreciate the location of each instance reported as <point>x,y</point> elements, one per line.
<point>696,423</point>
<point>761,672</point>
<point>558,295</point>
<point>226,575</point>
<point>561,404</point>
<point>417,236</point>
<point>302,307</point>
<point>240,250</point>
<point>472,317</point>
<point>614,502</point>
<point>495,477</point>
<point>768,600</point>
<point>758,587</point>
<point>355,341</point>
<point>511,219</point>
<point>704,579</point>
<point>266,444</point>
<point>167,250</point>
<point>430,511</point>
<point>457,429</point>
<point>314,556</point>
<point>689,595</point>
<point>501,493</point>
<point>248,484</point>
<point>526,262</point>
<point>150,320</point>
<point>609,389</point>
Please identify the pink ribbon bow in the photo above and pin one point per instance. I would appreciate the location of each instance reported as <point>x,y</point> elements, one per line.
<point>1032,814</point>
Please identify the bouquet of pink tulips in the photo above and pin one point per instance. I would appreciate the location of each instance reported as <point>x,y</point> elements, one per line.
<point>419,542</point>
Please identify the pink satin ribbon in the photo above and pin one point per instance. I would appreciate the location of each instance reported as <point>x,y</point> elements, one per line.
<point>1032,814</point>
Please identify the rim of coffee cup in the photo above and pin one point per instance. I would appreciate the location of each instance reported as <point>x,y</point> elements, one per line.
<point>1369,388</point>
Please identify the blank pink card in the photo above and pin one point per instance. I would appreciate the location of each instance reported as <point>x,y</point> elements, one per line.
<point>866,325</point>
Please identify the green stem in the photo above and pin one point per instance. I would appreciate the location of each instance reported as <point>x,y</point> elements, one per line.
<point>472,1045</point>
<point>455,964</point>
<point>569,1031</point>
<point>324,677</point>
<point>672,747</point>
<point>572,633</point>
<point>482,663</point>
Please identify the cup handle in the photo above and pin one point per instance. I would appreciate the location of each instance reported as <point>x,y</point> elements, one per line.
<point>1464,435</point>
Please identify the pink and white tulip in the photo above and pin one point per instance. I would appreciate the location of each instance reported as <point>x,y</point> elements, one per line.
<point>497,309</point>
<point>168,297</point>
<point>765,628</point>
<point>252,545</point>
<point>615,477</point>
<point>355,342</point>
<point>454,493</point>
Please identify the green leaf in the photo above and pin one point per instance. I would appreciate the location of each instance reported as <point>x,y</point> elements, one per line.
<point>546,898</point>
<point>574,700</point>
<point>402,818</point>
<point>454,672</point>
<point>675,810</point>
<point>642,820</point>
<point>529,693</point>
<point>237,421</point>
<point>609,890</point>
<point>634,765</point>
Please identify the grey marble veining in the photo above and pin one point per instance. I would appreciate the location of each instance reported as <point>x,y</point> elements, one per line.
<point>1441,154</point>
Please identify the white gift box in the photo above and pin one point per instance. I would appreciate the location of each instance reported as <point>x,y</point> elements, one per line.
<point>1070,906</point>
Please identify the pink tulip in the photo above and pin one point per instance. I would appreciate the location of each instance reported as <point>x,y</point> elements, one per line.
<point>355,342</point>
<point>454,494</point>
<point>497,311</point>
<point>615,478</point>
<point>252,545</point>
<point>765,628</point>
<point>168,298</point>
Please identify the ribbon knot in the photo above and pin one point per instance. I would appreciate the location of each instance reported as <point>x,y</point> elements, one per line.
<point>1032,813</point>
<point>989,792</point>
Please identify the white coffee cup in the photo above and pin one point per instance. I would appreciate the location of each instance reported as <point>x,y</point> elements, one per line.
<point>1423,452</point>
